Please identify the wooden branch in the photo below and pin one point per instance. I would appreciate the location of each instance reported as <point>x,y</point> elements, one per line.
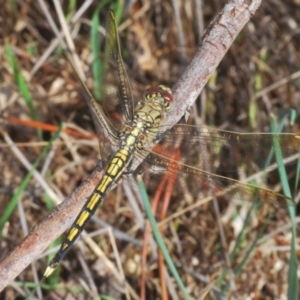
<point>217,40</point>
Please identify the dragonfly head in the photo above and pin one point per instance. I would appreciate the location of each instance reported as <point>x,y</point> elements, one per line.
<point>159,98</point>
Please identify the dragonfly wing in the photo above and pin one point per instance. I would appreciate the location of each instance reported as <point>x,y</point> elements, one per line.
<point>204,153</point>
<point>201,182</point>
<point>108,139</point>
<point>107,134</point>
<point>117,94</point>
<point>229,153</point>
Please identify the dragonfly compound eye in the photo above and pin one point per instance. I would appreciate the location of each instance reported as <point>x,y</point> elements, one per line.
<point>166,93</point>
<point>152,93</point>
<point>165,88</point>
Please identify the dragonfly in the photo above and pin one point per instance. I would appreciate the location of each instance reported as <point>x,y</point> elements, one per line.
<point>128,135</point>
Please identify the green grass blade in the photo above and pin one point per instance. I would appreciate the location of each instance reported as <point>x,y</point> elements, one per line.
<point>71,9</point>
<point>239,241</point>
<point>247,256</point>
<point>159,238</point>
<point>103,297</point>
<point>13,202</point>
<point>260,233</point>
<point>22,85</point>
<point>241,235</point>
<point>297,175</point>
<point>293,116</point>
<point>118,8</point>
<point>98,65</point>
<point>292,277</point>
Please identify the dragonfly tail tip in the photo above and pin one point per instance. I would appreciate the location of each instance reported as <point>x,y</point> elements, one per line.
<point>50,269</point>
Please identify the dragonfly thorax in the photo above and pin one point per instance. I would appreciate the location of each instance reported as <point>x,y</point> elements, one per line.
<point>143,128</point>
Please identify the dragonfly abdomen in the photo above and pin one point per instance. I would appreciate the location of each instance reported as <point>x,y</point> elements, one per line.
<point>115,169</point>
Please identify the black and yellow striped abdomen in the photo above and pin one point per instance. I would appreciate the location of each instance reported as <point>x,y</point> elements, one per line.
<point>115,169</point>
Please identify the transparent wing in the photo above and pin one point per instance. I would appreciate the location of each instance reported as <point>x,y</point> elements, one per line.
<point>108,137</point>
<point>213,160</point>
<point>201,182</point>
<point>230,152</point>
<point>117,94</point>
<point>117,104</point>
<point>107,134</point>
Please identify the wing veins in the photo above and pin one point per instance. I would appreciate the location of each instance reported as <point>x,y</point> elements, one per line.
<point>233,186</point>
